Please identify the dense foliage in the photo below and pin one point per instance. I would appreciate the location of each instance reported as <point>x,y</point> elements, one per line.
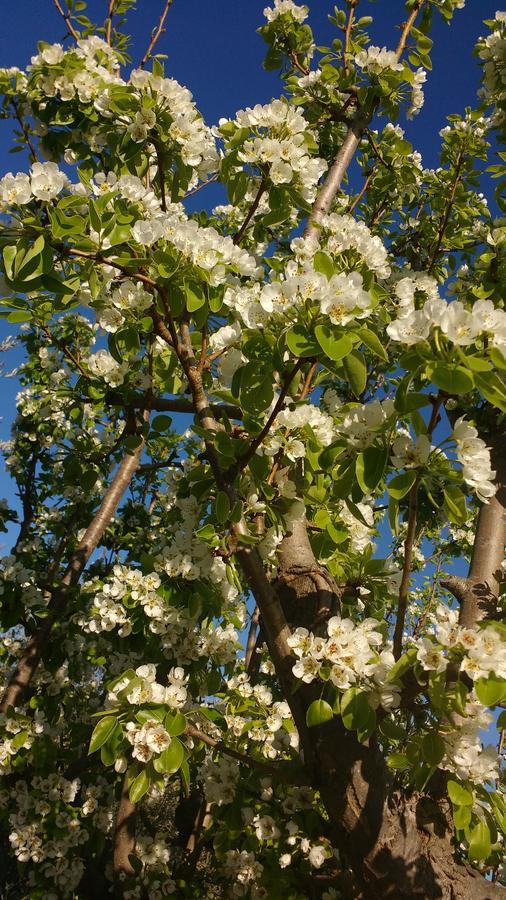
<point>215,686</point>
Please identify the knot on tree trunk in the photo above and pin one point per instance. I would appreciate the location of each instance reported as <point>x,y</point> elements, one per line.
<point>309,596</point>
<point>476,597</point>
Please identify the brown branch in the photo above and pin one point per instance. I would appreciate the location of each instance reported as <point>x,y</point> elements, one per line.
<point>406,28</point>
<point>156,33</point>
<point>252,210</point>
<point>252,638</point>
<point>199,187</point>
<point>244,758</point>
<point>245,458</point>
<point>409,543</point>
<point>446,213</point>
<point>124,840</point>
<point>478,592</point>
<point>355,132</point>
<point>248,557</point>
<point>36,646</point>
<point>24,129</point>
<point>108,26</point>
<point>65,16</point>
<point>65,350</point>
<point>363,190</point>
<point>174,404</point>
<point>347,32</point>
<point>161,176</point>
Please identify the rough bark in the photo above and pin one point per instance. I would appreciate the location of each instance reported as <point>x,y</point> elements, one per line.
<point>124,840</point>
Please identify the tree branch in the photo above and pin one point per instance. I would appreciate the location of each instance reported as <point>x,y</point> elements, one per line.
<point>36,646</point>
<point>65,16</point>
<point>124,839</point>
<point>244,459</point>
<point>252,210</point>
<point>156,34</point>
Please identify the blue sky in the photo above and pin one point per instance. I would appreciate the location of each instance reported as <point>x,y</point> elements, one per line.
<point>212,48</point>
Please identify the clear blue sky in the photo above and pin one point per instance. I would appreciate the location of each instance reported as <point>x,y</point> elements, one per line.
<point>212,48</point>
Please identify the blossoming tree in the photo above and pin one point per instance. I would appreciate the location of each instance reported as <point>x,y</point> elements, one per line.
<point>213,684</point>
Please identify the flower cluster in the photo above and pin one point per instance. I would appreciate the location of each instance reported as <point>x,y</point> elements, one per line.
<point>141,686</point>
<point>286,7</point>
<point>297,419</point>
<point>102,365</point>
<point>190,135</point>
<point>85,70</point>
<point>350,655</point>
<point>342,297</point>
<point>363,422</point>
<point>492,50</point>
<point>204,247</point>
<point>474,456</point>
<point>148,739</point>
<point>483,651</point>
<point>45,182</point>
<point>376,60</point>
<point>280,144</point>
<point>342,233</point>
<point>461,326</point>
<point>417,97</point>
<point>129,297</point>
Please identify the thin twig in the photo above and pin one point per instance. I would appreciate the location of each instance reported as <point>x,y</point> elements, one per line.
<point>446,212</point>
<point>347,32</point>
<point>199,187</point>
<point>243,460</point>
<point>24,129</point>
<point>108,26</point>
<point>408,24</point>
<point>65,350</point>
<point>363,190</point>
<point>155,34</point>
<point>409,544</point>
<point>65,16</point>
<point>250,761</point>
<point>253,208</point>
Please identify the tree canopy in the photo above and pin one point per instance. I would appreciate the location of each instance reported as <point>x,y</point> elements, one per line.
<point>262,657</point>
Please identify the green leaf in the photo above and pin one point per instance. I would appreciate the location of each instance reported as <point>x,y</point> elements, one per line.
<point>170,759</point>
<point>403,664</point>
<point>300,343</point>
<point>323,263</point>
<point>491,690</point>
<point>355,709</point>
<point>399,486</point>
<point>479,841</point>
<point>455,503</point>
<point>356,371</point>
<point>493,388</point>
<point>222,507</point>
<point>398,761</point>
<point>174,723</point>
<point>370,466</point>
<point>318,712</point>
<point>334,343</point>
<point>372,341</point>
<point>459,794</point>
<point>433,748</point>
<point>255,388</point>
<point>195,296</point>
<point>450,378</point>
<point>101,733</point>
<point>139,786</point>
<point>9,257</point>
<point>462,816</point>
<point>161,423</point>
